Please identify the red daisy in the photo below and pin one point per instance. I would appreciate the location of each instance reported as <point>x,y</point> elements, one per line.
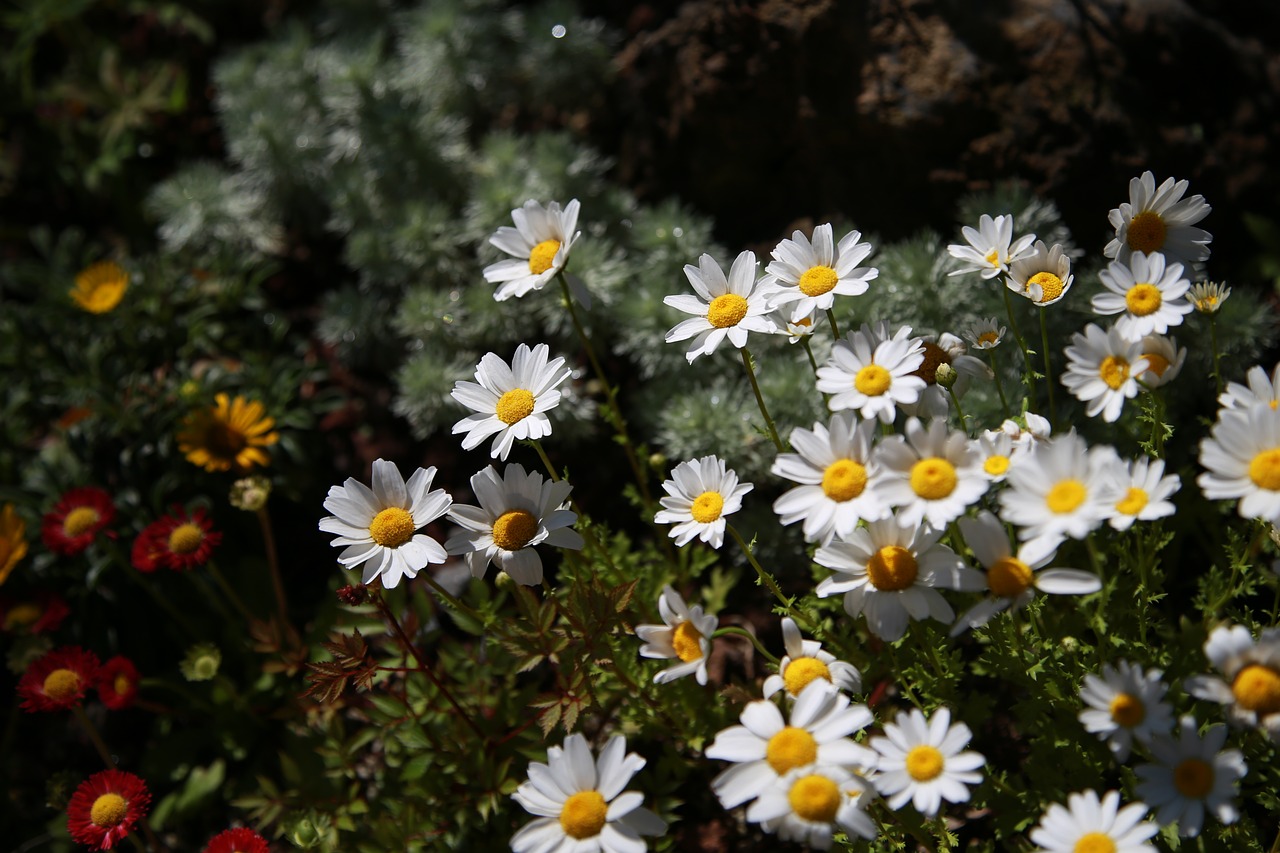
<point>105,807</point>
<point>58,680</point>
<point>45,613</point>
<point>177,541</point>
<point>237,841</point>
<point>118,683</point>
<point>71,525</point>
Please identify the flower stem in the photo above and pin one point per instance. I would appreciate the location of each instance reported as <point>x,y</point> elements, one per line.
<point>1048,371</point>
<point>1217,368</point>
<point>273,560</point>
<point>765,577</point>
<point>1004,403</point>
<point>232,595</point>
<point>835,329</point>
<point>1022,344</point>
<point>755,641</point>
<point>755,386</point>
<point>101,746</point>
<point>546,461</point>
<point>959,411</point>
<point>451,599</point>
<point>808,349</point>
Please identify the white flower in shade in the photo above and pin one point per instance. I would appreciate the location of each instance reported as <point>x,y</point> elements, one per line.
<point>686,635</point>
<point>1031,431</point>
<point>580,804</point>
<point>1262,390</point>
<point>804,662</point>
<point>808,276</point>
<point>794,329</point>
<point>539,246</point>
<point>921,760</point>
<point>699,495</point>
<point>985,334</point>
<point>991,247</point>
<point>836,470</point>
<point>1103,370</point>
<point>517,512</point>
<point>1207,296</point>
<point>1044,276</point>
<point>873,375</point>
<point>1061,488</point>
<point>766,746</point>
<point>378,526</point>
<point>931,474</point>
<point>1013,579</point>
<point>1242,455</point>
<point>1125,704</point>
<point>1144,492</point>
<point>809,803</point>
<point>511,402</point>
<point>888,571</point>
<point>1146,293</point>
<point>1252,669</point>
<point>724,308</point>
<point>1164,360</point>
<point>942,349</point>
<point>1159,219</point>
<point>1192,775</point>
<point>1090,825</point>
<point>996,452</point>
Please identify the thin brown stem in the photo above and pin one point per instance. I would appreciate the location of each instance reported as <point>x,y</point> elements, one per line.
<point>273,560</point>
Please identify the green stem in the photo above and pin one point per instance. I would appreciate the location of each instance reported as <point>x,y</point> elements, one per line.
<point>835,328</point>
<point>584,531</point>
<point>231,594</point>
<point>765,577</point>
<point>808,349</point>
<point>546,462</point>
<point>1004,403</point>
<point>755,386</point>
<point>452,600</point>
<point>1048,371</point>
<point>755,641</point>
<point>1217,368</point>
<point>101,746</point>
<point>964,427</point>
<point>1022,344</point>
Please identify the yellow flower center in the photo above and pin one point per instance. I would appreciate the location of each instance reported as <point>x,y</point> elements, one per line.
<point>707,507</point>
<point>1114,371</point>
<point>543,256</point>
<point>1065,496</point>
<point>1134,500</point>
<point>996,465</point>
<point>122,684</point>
<point>1147,232</point>
<point>1050,285</point>
<point>108,810</point>
<point>583,815</point>
<point>1257,689</point>
<point>514,406</point>
<point>993,257</point>
<point>815,798</point>
<point>61,685</point>
<point>1095,842</point>
<point>80,520</point>
<point>844,480</point>
<point>513,529</point>
<point>924,763</point>
<point>789,749</point>
<point>1009,577</point>
<point>727,310</point>
<point>392,527</point>
<point>687,641</point>
<point>872,380</point>
<point>817,281</point>
<point>988,338</point>
<point>1207,304</point>
<point>934,357</point>
<point>801,671</point>
<point>1193,778</point>
<point>185,538</point>
<point>1264,470</point>
<point>1127,710</point>
<point>1143,299</point>
<point>892,568</point>
<point>1156,363</point>
<point>933,478</point>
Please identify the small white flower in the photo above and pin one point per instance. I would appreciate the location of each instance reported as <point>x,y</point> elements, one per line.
<point>1060,489</point>
<point>686,636</point>
<point>794,329</point>
<point>1242,458</point>
<point>1262,390</point>
<point>539,246</point>
<point>808,803</point>
<point>1044,276</point>
<point>699,496</point>
<point>511,402</point>
<point>1159,220</point>
<point>931,474</point>
<point>1252,669</point>
<point>985,334</point>
<point>1164,360</point>
<point>942,349</point>
<point>723,307</point>
<point>991,247</point>
<point>1090,824</point>
<point>1146,293</point>
<point>1103,370</point>
<point>1125,704</point>
<point>804,662</point>
<point>873,375</point>
<point>1144,492</point>
<point>378,526</point>
<point>996,452</point>
<point>1192,775</point>
<point>1207,296</point>
<point>921,760</point>
<point>809,275</point>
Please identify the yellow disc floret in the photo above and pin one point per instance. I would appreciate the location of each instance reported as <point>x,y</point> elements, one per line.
<point>513,529</point>
<point>844,480</point>
<point>108,810</point>
<point>801,671</point>
<point>80,520</point>
<point>933,478</point>
<point>583,815</point>
<point>1257,689</point>
<point>1264,470</point>
<point>1065,496</point>
<point>988,339</point>
<point>1050,286</point>
<point>1193,778</point>
<point>1156,363</point>
<point>514,406</point>
<point>1114,371</point>
<point>61,685</point>
<point>392,527</point>
<point>1094,842</point>
<point>818,280</point>
<point>543,256</point>
<point>122,684</point>
<point>707,507</point>
<point>1143,299</point>
<point>687,641</point>
<point>1127,710</point>
<point>815,798</point>
<point>789,749</point>
<point>727,310</point>
<point>186,538</point>
<point>996,465</point>
<point>1009,577</point>
<point>892,568</point>
<point>993,258</point>
<point>1133,502</point>
<point>1147,232</point>
<point>924,763</point>
<point>872,380</point>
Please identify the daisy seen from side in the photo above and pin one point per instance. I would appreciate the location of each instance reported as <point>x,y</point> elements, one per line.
<point>1091,825</point>
<point>539,246</point>
<point>1103,370</point>
<point>1060,489</point>
<point>1164,360</point>
<point>991,247</point>
<point>805,662</point>
<point>232,435</point>
<point>930,473</point>
<point>808,275</point>
<point>76,519</point>
<point>921,760</point>
<point>1125,704</point>
<point>1144,492</point>
<point>1241,458</point>
<point>1159,219</point>
<point>808,804</point>
<point>105,807</point>
<point>1250,687</point>
<point>723,307</point>
<point>873,375</point>
<point>700,493</point>
<point>1207,296</point>
<point>510,401</point>
<point>984,334</point>
<point>1191,775</point>
<point>1260,389</point>
<point>58,680</point>
<point>685,635</point>
<point>100,287</point>
<point>1043,276</point>
<point>1147,293</point>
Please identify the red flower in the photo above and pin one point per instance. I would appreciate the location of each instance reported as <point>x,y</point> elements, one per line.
<point>58,680</point>
<point>45,613</point>
<point>177,541</point>
<point>237,841</point>
<point>105,807</point>
<point>76,519</point>
<point>118,683</point>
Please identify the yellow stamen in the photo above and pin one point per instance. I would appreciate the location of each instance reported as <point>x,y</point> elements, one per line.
<point>707,507</point>
<point>687,641</point>
<point>80,520</point>
<point>543,256</point>
<point>815,798</point>
<point>789,749</point>
<point>514,406</point>
<point>988,339</point>
<point>1257,689</point>
<point>844,480</point>
<point>109,810</point>
<point>1133,502</point>
<point>1094,842</point>
<point>818,280</point>
<point>186,538</point>
<point>1193,778</point>
<point>583,815</point>
<point>1114,371</point>
<point>933,478</point>
<point>513,529</point>
<point>1156,363</point>
<point>727,310</point>
<point>1050,286</point>
<point>1147,232</point>
<point>1143,299</point>
<point>392,527</point>
<point>892,568</point>
<point>1127,710</point>
<point>801,671</point>
<point>996,465</point>
<point>872,380</point>
<point>924,763</point>
<point>61,685</point>
<point>1066,496</point>
<point>1264,470</point>
<point>1009,577</point>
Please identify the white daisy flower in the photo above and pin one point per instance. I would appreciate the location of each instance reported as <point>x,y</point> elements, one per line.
<point>1043,276</point>
<point>699,496</point>
<point>1262,390</point>
<point>517,512</point>
<point>1124,704</point>
<point>794,329</point>
<point>1252,669</point>
<point>996,451</point>
<point>723,308</point>
<point>511,402</point>
<point>836,470</point>
<point>1159,220</point>
<point>1103,370</point>
<point>942,349</point>
<point>1030,432</point>
<point>1061,488</point>
<point>921,760</point>
<point>984,334</point>
<point>809,275</point>
<point>686,636</point>
<point>378,526</point>
<point>1013,579</point>
<point>766,746</point>
<point>580,804</point>
<point>1207,296</point>
<point>1090,825</point>
<point>930,474</point>
<point>809,803</point>
<point>1164,360</point>
<point>1144,492</point>
<point>1147,293</point>
<point>804,662</point>
<point>991,247</point>
<point>1242,455</point>
<point>888,570</point>
<point>539,246</point>
<point>873,375</point>
<point>1192,775</point>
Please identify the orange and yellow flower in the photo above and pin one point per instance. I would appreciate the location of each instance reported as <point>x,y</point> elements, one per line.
<point>13,541</point>
<point>230,435</point>
<point>100,287</point>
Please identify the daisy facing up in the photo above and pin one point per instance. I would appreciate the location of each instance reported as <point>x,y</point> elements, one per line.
<point>78,516</point>
<point>177,541</point>
<point>232,435</point>
<point>1088,824</point>
<point>1191,775</point>
<point>807,804</point>
<point>806,662</point>
<point>1159,220</point>
<point>510,402</point>
<point>1146,293</point>
<point>1251,688</point>
<point>723,308</point>
<point>1125,704</point>
<point>1103,370</point>
<point>1242,460</point>
<point>873,375</point>
<point>686,635</point>
<point>539,246</point>
<point>700,493</point>
<point>991,247</point>
<point>996,452</point>
<point>1043,276</point>
<point>1061,488</point>
<point>59,680</point>
<point>809,275</point>
<point>105,807</point>
<point>921,760</point>
<point>1145,492</point>
<point>930,474</point>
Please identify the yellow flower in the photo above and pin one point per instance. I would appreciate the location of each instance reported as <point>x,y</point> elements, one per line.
<point>13,541</point>
<point>100,287</point>
<point>229,435</point>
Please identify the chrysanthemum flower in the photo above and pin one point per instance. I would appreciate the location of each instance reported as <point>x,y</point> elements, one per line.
<point>929,474</point>
<point>177,541</point>
<point>105,807</point>
<point>805,662</point>
<point>1145,492</point>
<point>58,680</point>
<point>580,804</point>
<point>808,276</point>
<point>240,840</point>
<point>1262,390</point>
<point>921,760</point>
<point>985,334</point>
<point>1192,775</point>
<point>1147,293</point>
<point>539,246</point>
<point>1062,488</point>
<point>230,435</point>
<point>1207,296</point>
<point>945,349</point>
<point>511,401</point>
<point>1043,276</point>
<point>836,471</point>
<point>42,614</point>
<point>201,662</point>
<point>1164,360</point>
<point>888,571</point>
<point>1242,458</point>
<point>873,375</point>
<point>100,287</point>
<point>378,526</point>
<point>1124,704</point>
<point>1159,220</point>
<point>1251,690</point>
<point>808,804</point>
<point>13,541</point>
<point>991,247</point>
<point>686,635</point>
<point>724,308</point>
<point>517,512</point>
<point>700,493</point>
<point>1103,370</point>
<point>766,746</point>
<point>76,519</point>
<point>1090,825</point>
<point>996,452</point>
<point>118,683</point>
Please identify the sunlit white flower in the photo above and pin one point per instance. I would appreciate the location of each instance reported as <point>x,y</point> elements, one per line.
<point>930,474</point>
<point>1251,690</point>
<point>1103,370</point>
<point>1242,458</point>
<point>699,496</point>
<point>807,276</point>
<point>934,401</point>
<point>378,526</point>
<point>1262,390</point>
<point>539,245</point>
<point>1147,293</point>
<point>1159,219</point>
<point>1060,489</point>
<point>1164,360</point>
<point>1089,824</point>
<point>1192,775</point>
<point>1124,704</point>
<point>511,402</point>
<point>723,308</point>
<point>921,760</point>
<point>804,662</point>
<point>686,636</point>
<point>984,334</point>
<point>873,375</point>
<point>1043,276</point>
<point>808,804</point>
<point>1144,492</point>
<point>1207,296</point>
<point>991,247</point>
